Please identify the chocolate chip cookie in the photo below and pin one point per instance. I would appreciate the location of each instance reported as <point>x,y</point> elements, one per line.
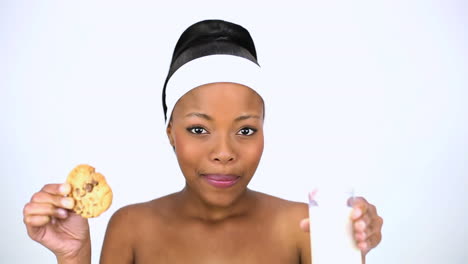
<point>90,190</point>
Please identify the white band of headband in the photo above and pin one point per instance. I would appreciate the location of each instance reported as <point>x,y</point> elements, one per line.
<point>211,69</point>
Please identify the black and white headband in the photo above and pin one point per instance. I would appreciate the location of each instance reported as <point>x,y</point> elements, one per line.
<point>211,69</point>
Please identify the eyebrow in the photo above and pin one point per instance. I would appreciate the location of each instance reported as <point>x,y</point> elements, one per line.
<point>209,118</point>
<point>201,115</point>
<point>244,117</point>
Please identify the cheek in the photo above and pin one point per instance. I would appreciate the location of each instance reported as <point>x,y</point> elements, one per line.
<point>187,151</point>
<point>253,153</point>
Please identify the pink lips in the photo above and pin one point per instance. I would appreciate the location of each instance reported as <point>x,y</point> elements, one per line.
<point>221,180</point>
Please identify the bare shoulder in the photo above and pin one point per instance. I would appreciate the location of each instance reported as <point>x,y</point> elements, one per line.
<point>138,212</point>
<point>129,224</point>
<point>285,215</point>
<point>288,215</point>
<point>284,209</point>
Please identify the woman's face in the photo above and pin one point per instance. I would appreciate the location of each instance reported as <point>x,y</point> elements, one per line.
<point>217,133</point>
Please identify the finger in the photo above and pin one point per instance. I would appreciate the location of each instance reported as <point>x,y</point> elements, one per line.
<point>56,200</point>
<point>44,209</point>
<point>360,207</point>
<point>305,225</point>
<point>367,225</point>
<point>373,235</point>
<point>370,222</point>
<point>374,240</point>
<point>57,189</point>
<point>36,220</point>
<point>361,236</point>
<point>372,210</point>
<point>375,226</point>
<point>375,230</point>
<point>363,246</point>
<point>362,223</point>
<point>370,243</point>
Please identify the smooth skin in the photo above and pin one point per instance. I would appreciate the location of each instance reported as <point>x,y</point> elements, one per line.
<point>214,129</point>
<point>49,222</point>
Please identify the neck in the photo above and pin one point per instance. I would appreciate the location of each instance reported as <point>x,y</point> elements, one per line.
<point>195,207</point>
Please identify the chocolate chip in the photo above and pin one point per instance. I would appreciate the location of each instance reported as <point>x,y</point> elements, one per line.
<point>89,187</point>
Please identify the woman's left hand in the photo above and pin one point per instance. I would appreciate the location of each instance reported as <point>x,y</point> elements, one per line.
<point>367,224</point>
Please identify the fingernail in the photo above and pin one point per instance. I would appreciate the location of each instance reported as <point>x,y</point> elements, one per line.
<point>363,245</point>
<point>63,188</point>
<point>62,212</point>
<point>357,237</point>
<point>67,203</point>
<point>356,213</point>
<point>363,236</point>
<point>360,225</point>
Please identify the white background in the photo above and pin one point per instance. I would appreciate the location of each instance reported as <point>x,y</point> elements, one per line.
<point>367,93</point>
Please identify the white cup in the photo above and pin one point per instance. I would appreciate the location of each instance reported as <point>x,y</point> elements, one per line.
<point>331,231</point>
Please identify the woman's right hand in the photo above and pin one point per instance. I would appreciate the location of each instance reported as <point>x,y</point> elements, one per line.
<point>49,221</point>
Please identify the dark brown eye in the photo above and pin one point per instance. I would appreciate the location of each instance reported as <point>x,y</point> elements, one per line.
<point>246,131</point>
<point>197,130</point>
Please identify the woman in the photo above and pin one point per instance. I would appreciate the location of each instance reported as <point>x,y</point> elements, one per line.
<point>214,115</point>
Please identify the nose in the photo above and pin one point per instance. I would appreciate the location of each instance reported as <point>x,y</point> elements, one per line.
<point>223,150</point>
